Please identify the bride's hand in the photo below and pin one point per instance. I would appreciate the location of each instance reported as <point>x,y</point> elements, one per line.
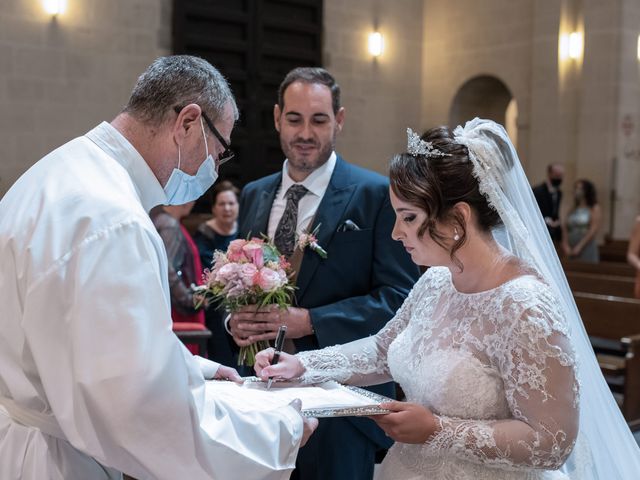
<point>407,422</point>
<point>288,366</point>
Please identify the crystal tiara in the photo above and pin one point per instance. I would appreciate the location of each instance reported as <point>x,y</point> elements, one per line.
<point>417,146</point>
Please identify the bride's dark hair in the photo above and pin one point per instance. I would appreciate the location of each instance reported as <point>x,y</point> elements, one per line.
<point>436,184</point>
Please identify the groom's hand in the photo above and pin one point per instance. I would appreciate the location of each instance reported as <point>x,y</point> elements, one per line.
<point>251,324</point>
<point>245,322</point>
<point>309,424</point>
<point>407,422</point>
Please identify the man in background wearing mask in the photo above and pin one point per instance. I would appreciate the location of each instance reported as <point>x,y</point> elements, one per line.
<point>548,195</point>
<point>93,382</point>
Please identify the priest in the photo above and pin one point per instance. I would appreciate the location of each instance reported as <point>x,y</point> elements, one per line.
<point>93,382</point>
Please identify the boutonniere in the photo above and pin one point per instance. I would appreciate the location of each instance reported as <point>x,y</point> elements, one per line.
<point>310,240</point>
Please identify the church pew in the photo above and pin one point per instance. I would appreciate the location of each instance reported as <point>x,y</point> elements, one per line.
<point>193,333</point>
<point>614,251</point>
<point>613,325</point>
<point>616,285</point>
<point>603,268</point>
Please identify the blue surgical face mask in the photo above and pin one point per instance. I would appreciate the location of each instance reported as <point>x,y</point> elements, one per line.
<point>182,188</point>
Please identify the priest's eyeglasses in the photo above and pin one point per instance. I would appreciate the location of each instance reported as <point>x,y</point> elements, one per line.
<point>227,154</point>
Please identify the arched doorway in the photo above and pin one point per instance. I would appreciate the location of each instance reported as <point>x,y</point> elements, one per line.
<point>485,96</point>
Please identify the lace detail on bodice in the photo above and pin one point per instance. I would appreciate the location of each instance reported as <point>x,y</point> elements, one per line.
<point>495,367</point>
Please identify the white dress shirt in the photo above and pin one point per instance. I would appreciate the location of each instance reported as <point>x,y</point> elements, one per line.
<point>317,183</point>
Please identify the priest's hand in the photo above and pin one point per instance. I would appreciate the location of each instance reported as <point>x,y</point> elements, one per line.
<point>407,422</point>
<point>228,373</point>
<point>251,323</point>
<point>288,366</point>
<point>309,425</point>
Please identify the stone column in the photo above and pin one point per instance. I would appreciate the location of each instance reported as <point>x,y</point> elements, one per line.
<point>625,127</point>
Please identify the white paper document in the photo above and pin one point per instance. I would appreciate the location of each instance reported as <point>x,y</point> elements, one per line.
<point>325,400</point>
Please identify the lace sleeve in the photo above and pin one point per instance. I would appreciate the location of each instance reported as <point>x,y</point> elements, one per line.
<point>361,362</point>
<point>537,367</point>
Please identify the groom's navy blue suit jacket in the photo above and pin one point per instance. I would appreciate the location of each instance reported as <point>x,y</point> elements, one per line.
<point>367,275</point>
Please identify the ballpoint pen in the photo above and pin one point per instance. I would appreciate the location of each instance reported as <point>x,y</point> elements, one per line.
<point>278,347</point>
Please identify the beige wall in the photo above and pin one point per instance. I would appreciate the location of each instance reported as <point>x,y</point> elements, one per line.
<point>59,77</point>
<point>381,96</point>
<point>568,111</point>
<point>624,131</point>
<point>491,37</point>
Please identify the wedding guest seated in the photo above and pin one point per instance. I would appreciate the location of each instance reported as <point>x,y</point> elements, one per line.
<point>633,254</point>
<point>216,234</point>
<point>580,228</point>
<point>489,347</point>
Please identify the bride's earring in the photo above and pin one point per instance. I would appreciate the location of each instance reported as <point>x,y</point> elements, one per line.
<point>456,237</point>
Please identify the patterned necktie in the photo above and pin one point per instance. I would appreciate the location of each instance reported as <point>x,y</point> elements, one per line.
<point>285,236</point>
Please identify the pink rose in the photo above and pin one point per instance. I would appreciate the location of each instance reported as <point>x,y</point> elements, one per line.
<point>247,273</point>
<point>234,252</point>
<point>268,280</point>
<point>234,288</point>
<point>253,252</point>
<point>227,273</point>
<point>236,245</point>
<point>283,276</point>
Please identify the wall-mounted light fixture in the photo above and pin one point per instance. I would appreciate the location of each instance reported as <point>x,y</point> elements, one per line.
<point>571,45</point>
<point>376,44</point>
<point>575,45</point>
<point>638,47</point>
<point>54,7</point>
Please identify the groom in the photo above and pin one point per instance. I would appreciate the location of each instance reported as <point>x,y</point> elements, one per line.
<point>349,295</point>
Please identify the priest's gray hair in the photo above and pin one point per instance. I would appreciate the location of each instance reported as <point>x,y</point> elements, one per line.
<point>176,81</point>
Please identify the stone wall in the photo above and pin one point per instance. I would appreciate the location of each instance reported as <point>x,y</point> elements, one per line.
<point>569,111</point>
<point>489,38</point>
<point>61,76</point>
<point>381,96</point>
<point>624,130</point>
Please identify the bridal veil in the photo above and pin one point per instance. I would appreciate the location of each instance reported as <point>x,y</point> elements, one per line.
<point>605,447</point>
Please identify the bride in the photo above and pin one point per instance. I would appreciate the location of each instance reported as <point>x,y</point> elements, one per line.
<point>485,345</point>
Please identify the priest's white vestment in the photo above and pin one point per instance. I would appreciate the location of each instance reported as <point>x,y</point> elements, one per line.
<point>93,382</point>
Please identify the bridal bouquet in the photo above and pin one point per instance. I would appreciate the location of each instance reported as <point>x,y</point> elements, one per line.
<point>250,272</point>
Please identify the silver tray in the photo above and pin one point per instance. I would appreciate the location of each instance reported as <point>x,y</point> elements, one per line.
<point>372,409</point>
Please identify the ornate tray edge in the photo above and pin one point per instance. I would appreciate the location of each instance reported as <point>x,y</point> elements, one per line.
<point>345,412</point>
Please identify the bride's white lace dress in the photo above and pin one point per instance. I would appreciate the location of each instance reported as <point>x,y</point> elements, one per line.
<point>496,368</point>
